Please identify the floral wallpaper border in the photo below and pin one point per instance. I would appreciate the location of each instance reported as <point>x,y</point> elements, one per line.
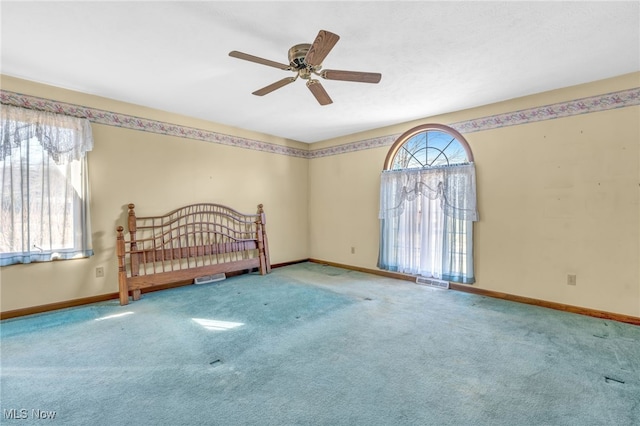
<point>623,98</point>
<point>620,99</point>
<point>110,118</point>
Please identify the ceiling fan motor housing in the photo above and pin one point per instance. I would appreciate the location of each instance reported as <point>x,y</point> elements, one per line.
<point>297,54</point>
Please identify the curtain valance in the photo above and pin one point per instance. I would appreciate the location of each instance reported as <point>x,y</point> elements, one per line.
<point>454,186</point>
<point>65,138</point>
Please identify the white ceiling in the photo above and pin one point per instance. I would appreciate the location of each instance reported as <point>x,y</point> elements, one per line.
<point>435,57</point>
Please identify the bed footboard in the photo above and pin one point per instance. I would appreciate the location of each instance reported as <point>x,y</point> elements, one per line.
<point>187,243</point>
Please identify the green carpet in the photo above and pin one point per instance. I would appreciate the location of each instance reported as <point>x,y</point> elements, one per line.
<point>316,345</point>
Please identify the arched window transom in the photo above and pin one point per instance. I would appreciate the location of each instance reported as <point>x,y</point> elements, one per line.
<point>429,145</point>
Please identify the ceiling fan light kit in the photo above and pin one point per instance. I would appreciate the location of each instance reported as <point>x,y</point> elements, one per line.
<point>305,60</point>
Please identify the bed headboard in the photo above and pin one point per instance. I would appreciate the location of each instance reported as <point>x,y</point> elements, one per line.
<point>186,243</point>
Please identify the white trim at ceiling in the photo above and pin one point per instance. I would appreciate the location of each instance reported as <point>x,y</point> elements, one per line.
<point>608,101</point>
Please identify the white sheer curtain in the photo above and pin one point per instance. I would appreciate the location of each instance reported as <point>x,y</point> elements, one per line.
<point>44,186</point>
<point>426,220</point>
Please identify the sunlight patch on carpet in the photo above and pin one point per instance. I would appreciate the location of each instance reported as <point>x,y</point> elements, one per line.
<point>114,316</point>
<point>216,325</point>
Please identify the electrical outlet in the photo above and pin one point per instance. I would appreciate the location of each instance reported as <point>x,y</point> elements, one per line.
<point>99,272</point>
<point>353,250</point>
<point>571,279</point>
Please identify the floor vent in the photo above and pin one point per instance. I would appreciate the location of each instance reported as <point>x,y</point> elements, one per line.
<point>432,282</point>
<point>209,279</point>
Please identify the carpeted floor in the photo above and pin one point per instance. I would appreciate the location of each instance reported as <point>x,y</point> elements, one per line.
<point>317,345</point>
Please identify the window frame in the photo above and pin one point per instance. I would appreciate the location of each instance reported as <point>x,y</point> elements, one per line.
<point>451,232</point>
<point>34,152</point>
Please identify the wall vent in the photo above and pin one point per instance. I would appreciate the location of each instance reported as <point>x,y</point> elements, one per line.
<point>209,279</point>
<point>432,282</point>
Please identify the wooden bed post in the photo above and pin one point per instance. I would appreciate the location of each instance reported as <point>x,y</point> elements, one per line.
<point>135,256</point>
<point>265,243</point>
<point>122,268</point>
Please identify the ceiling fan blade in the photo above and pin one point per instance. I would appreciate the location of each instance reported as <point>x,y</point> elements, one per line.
<point>321,47</point>
<point>273,86</point>
<point>361,77</point>
<point>258,60</point>
<point>318,91</point>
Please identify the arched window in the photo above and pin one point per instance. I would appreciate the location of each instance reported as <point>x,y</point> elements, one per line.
<point>428,205</point>
<point>429,145</point>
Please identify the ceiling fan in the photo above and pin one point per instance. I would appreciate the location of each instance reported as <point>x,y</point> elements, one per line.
<point>305,60</point>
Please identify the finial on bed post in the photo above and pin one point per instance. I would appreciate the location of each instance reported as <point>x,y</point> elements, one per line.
<point>132,219</point>
<point>122,267</point>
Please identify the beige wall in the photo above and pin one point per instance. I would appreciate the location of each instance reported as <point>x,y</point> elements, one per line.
<point>556,197</point>
<point>159,173</point>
